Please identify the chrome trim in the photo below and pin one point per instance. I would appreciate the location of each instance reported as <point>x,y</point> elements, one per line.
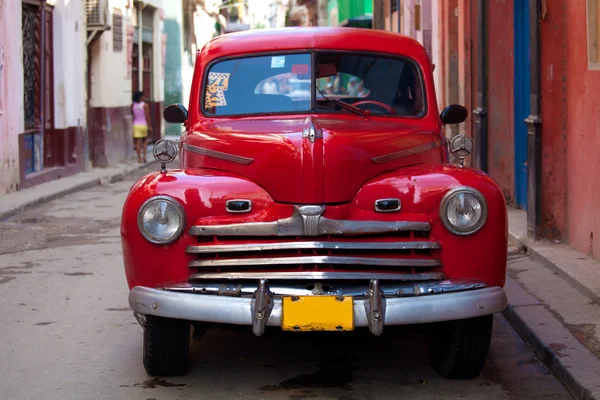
<point>444,217</point>
<point>336,260</point>
<point>319,275</point>
<point>408,152</point>
<point>262,305</point>
<point>179,208</point>
<point>238,310</point>
<point>403,285</point>
<point>386,211</point>
<point>301,225</point>
<point>218,154</point>
<point>311,132</point>
<point>312,245</point>
<point>238,212</point>
<point>375,307</point>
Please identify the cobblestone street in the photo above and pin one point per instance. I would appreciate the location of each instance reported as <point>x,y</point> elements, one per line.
<point>68,332</point>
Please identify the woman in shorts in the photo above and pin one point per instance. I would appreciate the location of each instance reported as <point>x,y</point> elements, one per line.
<point>141,124</point>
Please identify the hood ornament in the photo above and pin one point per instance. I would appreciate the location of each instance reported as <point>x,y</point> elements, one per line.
<point>461,146</point>
<point>311,132</point>
<point>165,151</point>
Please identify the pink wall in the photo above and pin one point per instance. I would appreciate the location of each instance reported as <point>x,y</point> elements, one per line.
<point>11,94</point>
<point>554,44</point>
<point>501,151</point>
<point>583,136</point>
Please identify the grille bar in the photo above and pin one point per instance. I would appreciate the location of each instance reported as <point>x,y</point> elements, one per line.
<point>318,275</point>
<point>336,260</point>
<point>313,245</point>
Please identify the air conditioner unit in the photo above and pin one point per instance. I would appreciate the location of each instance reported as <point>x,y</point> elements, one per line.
<point>97,13</point>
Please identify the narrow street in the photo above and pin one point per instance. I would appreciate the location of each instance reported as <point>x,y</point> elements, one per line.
<point>68,332</point>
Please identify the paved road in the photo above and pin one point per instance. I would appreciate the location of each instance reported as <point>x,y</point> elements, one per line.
<point>67,332</point>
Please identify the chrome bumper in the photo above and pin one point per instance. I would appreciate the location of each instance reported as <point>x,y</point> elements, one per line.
<point>375,310</point>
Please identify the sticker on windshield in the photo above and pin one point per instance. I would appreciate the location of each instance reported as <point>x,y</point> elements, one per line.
<point>218,82</point>
<point>278,62</point>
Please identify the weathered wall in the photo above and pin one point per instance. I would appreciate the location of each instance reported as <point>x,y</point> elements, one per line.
<point>554,43</point>
<point>109,66</point>
<point>110,120</point>
<point>11,94</point>
<point>583,136</point>
<point>500,96</point>
<point>435,49</point>
<point>69,64</point>
<point>70,96</point>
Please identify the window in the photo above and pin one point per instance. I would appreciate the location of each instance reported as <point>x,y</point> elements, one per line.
<point>117,22</point>
<point>256,85</point>
<point>384,85</point>
<point>394,6</point>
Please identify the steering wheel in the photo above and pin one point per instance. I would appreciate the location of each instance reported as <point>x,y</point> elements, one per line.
<point>377,103</point>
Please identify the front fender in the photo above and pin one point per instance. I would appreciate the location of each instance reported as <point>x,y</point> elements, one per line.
<point>202,193</point>
<point>481,255</point>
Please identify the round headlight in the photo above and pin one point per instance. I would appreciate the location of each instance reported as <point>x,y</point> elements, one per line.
<point>161,220</point>
<point>463,211</point>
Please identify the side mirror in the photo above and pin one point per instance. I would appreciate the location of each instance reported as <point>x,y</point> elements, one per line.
<point>454,114</point>
<point>175,114</point>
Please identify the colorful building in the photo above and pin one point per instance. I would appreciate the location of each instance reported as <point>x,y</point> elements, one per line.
<point>68,70</point>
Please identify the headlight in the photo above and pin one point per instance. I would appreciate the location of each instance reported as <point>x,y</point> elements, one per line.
<point>161,220</point>
<point>463,211</point>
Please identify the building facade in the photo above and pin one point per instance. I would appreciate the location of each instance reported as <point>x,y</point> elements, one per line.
<point>42,91</point>
<point>68,70</point>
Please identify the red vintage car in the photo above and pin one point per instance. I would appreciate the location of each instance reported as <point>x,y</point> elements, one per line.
<point>329,209</point>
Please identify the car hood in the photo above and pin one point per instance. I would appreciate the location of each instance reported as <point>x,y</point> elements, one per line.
<point>310,160</point>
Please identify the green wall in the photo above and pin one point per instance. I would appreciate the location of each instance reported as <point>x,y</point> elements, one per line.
<point>353,9</point>
<point>173,83</point>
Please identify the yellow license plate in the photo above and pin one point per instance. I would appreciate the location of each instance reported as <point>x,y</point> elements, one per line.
<point>317,313</point>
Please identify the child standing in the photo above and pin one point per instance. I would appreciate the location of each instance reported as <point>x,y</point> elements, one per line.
<point>141,124</point>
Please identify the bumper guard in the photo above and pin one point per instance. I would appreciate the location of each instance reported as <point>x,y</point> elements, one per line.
<point>265,309</point>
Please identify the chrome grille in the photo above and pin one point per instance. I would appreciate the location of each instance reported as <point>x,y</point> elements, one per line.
<point>308,243</point>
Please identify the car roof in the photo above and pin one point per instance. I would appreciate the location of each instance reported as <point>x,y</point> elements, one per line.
<point>309,38</point>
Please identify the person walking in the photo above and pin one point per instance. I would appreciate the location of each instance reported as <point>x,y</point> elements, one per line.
<point>141,124</point>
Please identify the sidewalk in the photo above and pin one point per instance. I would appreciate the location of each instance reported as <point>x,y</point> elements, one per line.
<point>12,203</point>
<point>553,294</point>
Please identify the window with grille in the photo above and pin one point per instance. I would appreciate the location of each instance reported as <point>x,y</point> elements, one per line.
<point>117,22</point>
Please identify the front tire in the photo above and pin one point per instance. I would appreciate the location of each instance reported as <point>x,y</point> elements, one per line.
<point>460,347</point>
<point>166,346</point>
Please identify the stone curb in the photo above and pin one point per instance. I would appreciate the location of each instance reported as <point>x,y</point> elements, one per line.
<point>90,183</point>
<point>534,254</point>
<point>567,374</point>
<point>572,375</point>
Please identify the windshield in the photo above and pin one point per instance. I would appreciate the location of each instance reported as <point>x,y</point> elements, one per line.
<point>383,85</point>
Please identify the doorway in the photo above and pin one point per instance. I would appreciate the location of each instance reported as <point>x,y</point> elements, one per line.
<point>521,98</point>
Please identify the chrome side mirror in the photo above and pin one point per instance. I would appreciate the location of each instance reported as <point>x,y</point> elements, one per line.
<point>461,146</point>
<point>175,113</point>
<point>454,114</point>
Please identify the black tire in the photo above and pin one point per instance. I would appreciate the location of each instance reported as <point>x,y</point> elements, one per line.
<point>166,346</point>
<point>460,347</point>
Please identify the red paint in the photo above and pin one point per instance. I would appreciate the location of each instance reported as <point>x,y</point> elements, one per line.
<point>110,135</point>
<point>500,110</point>
<point>583,136</point>
<point>553,71</point>
<point>336,170</point>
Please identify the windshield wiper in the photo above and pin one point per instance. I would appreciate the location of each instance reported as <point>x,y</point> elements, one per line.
<point>345,106</point>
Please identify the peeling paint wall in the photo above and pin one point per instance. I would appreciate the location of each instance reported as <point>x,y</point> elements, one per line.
<point>583,136</point>
<point>554,45</point>
<point>501,145</point>
<point>11,94</point>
